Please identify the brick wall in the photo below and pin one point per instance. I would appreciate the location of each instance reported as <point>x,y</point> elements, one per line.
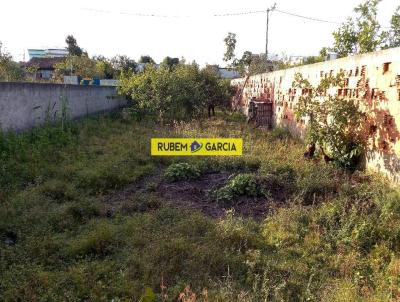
<point>373,78</point>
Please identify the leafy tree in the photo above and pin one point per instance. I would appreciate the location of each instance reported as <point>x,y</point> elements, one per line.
<point>174,94</point>
<point>362,34</point>
<point>247,58</point>
<point>156,91</point>
<point>72,46</point>
<point>122,64</point>
<point>31,72</point>
<point>104,68</point>
<point>369,36</point>
<point>244,63</point>
<point>251,64</point>
<point>230,43</point>
<point>394,36</point>
<point>146,59</point>
<point>170,62</point>
<point>345,39</point>
<point>9,70</point>
<point>323,53</point>
<point>259,64</point>
<point>81,66</point>
<point>334,122</point>
<point>217,92</point>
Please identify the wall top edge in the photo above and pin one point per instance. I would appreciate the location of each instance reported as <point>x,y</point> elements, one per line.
<point>52,85</point>
<point>387,55</point>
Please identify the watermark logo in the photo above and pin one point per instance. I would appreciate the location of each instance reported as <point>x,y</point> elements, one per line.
<point>196,146</point>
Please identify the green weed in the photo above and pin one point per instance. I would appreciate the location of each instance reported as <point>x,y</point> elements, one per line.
<point>181,171</point>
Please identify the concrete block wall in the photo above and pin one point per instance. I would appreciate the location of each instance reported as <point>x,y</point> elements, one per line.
<point>25,105</point>
<point>373,79</point>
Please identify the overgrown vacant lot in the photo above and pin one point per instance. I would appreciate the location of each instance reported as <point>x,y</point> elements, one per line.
<point>87,215</point>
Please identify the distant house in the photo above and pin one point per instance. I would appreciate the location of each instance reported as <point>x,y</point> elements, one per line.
<point>296,60</point>
<point>48,53</point>
<point>45,67</point>
<point>332,55</point>
<point>225,73</point>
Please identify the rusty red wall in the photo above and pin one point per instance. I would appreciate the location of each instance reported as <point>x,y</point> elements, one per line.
<point>373,78</point>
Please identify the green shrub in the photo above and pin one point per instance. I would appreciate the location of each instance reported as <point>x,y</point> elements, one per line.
<point>337,123</point>
<point>249,185</point>
<point>182,171</point>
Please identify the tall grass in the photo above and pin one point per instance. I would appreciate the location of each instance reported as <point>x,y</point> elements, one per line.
<point>79,220</point>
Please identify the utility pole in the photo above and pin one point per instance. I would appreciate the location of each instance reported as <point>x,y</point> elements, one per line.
<point>272,8</point>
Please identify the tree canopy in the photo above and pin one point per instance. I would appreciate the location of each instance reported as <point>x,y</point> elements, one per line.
<point>9,70</point>
<point>176,93</point>
<point>122,63</point>
<point>72,46</point>
<point>363,33</point>
<point>170,62</point>
<point>230,43</point>
<point>84,66</point>
<point>394,34</point>
<point>146,59</point>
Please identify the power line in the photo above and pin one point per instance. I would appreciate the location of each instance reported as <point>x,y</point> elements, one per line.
<point>170,16</point>
<point>277,10</point>
<point>240,14</point>
<point>214,15</point>
<point>304,17</point>
<point>133,14</point>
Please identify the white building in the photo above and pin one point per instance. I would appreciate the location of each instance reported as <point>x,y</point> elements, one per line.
<point>47,53</point>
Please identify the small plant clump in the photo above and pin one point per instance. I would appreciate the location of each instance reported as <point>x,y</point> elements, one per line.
<point>249,185</point>
<point>182,171</point>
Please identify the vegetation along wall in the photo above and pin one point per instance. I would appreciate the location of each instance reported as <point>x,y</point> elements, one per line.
<point>25,105</point>
<point>372,79</point>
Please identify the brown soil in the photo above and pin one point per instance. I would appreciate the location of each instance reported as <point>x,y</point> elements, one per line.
<point>197,195</point>
<point>192,195</point>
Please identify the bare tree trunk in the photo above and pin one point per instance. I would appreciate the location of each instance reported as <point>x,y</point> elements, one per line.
<point>211,110</point>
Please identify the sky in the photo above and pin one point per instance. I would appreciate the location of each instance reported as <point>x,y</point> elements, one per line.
<point>181,28</point>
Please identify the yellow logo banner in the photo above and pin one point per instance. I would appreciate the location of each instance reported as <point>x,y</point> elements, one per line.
<point>196,146</point>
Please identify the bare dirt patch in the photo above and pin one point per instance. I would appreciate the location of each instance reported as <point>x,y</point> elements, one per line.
<point>192,195</point>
